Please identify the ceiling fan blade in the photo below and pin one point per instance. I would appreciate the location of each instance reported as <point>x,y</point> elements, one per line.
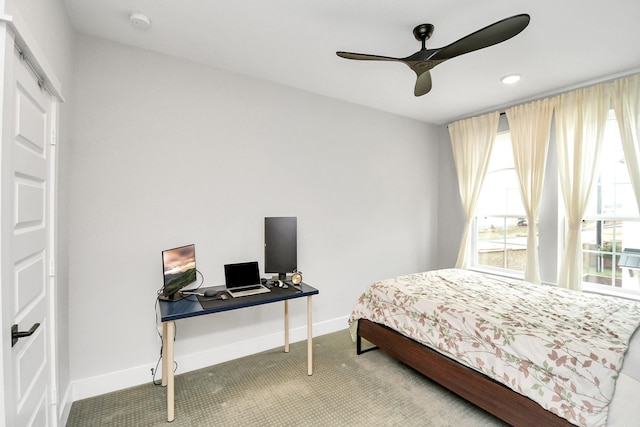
<point>488,36</point>
<point>423,84</point>
<point>365,57</point>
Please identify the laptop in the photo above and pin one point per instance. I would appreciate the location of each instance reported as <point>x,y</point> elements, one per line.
<point>243,279</point>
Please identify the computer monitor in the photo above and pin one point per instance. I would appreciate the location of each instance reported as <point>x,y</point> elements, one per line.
<point>280,245</point>
<point>179,270</point>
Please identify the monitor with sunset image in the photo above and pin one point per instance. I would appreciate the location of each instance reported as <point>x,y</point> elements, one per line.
<point>179,270</point>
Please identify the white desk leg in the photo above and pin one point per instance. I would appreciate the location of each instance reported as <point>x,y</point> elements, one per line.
<point>309,338</point>
<point>286,326</point>
<point>167,367</point>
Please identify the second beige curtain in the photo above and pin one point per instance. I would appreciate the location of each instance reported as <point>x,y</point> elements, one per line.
<point>530,125</point>
<point>580,121</point>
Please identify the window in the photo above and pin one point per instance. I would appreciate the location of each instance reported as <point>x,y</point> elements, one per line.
<point>610,227</point>
<point>611,222</point>
<point>500,227</point>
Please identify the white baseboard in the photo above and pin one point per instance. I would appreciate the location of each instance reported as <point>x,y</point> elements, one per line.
<point>106,383</point>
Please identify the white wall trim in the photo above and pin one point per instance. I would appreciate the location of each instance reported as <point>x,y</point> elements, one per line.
<point>101,384</point>
<point>29,47</point>
<point>64,407</point>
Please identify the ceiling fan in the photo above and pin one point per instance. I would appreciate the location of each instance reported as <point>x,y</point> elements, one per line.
<point>425,59</point>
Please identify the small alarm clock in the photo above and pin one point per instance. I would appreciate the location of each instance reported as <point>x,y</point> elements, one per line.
<point>296,277</point>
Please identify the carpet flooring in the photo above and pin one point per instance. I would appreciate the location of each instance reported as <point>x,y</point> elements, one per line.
<point>272,388</point>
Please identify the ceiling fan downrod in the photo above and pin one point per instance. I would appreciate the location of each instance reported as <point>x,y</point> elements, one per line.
<point>422,33</point>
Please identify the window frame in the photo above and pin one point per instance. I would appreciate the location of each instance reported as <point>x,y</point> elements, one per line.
<point>552,220</point>
<point>614,253</point>
<point>505,216</point>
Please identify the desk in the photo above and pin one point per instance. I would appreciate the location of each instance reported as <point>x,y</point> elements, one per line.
<point>170,311</point>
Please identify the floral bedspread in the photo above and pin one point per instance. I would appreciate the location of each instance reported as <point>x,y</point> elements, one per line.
<point>563,349</point>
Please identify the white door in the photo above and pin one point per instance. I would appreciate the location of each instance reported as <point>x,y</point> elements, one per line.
<point>28,118</point>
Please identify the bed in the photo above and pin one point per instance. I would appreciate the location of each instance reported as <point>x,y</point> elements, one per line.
<point>531,355</point>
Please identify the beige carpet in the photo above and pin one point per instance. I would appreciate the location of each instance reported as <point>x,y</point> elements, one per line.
<point>273,389</point>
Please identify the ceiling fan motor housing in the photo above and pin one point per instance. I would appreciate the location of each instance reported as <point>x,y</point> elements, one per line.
<point>423,32</point>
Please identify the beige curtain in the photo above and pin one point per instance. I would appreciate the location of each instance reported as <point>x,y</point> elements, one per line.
<point>580,120</point>
<point>471,140</point>
<point>626,102</point>
<point>530,125</point>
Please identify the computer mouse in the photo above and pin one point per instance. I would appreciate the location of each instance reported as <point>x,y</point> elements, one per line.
<point>280,284</point>
<point>210,293</point>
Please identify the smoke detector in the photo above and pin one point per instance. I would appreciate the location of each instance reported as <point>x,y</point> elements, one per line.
<point>140,21</point>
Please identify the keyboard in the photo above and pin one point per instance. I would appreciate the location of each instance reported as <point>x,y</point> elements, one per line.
<point>249,290</point>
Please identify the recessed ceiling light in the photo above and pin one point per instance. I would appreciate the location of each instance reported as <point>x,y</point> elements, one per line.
<point>140,21</point>
<point>510,79</point>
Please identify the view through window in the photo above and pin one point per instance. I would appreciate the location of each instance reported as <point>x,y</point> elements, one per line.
<point>501,225</point>
<point>611,223</point>
<point>610,227</point>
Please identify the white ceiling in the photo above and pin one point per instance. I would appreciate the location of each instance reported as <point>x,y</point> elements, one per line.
<point>569,43</point>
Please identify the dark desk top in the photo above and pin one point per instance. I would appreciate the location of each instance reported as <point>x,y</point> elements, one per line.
<point>191,306</point>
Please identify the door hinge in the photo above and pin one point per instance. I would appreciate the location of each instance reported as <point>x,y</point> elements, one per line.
<point>54,139</point>
<point>54,396</point>
<point>52,268</point>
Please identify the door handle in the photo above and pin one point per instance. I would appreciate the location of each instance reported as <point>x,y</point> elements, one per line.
<point>15,335</point>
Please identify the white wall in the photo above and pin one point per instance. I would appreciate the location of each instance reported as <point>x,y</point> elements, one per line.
<point>167,153</point>
<point>451,217</point>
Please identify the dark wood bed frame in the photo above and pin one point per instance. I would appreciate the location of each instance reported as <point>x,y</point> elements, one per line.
<point>477,388</point>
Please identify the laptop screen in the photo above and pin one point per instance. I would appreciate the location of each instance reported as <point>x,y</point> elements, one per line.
<point>242,274</point>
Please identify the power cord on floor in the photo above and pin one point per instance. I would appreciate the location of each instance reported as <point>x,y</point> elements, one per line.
<point>155,371</point>
<point>157,316</point>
